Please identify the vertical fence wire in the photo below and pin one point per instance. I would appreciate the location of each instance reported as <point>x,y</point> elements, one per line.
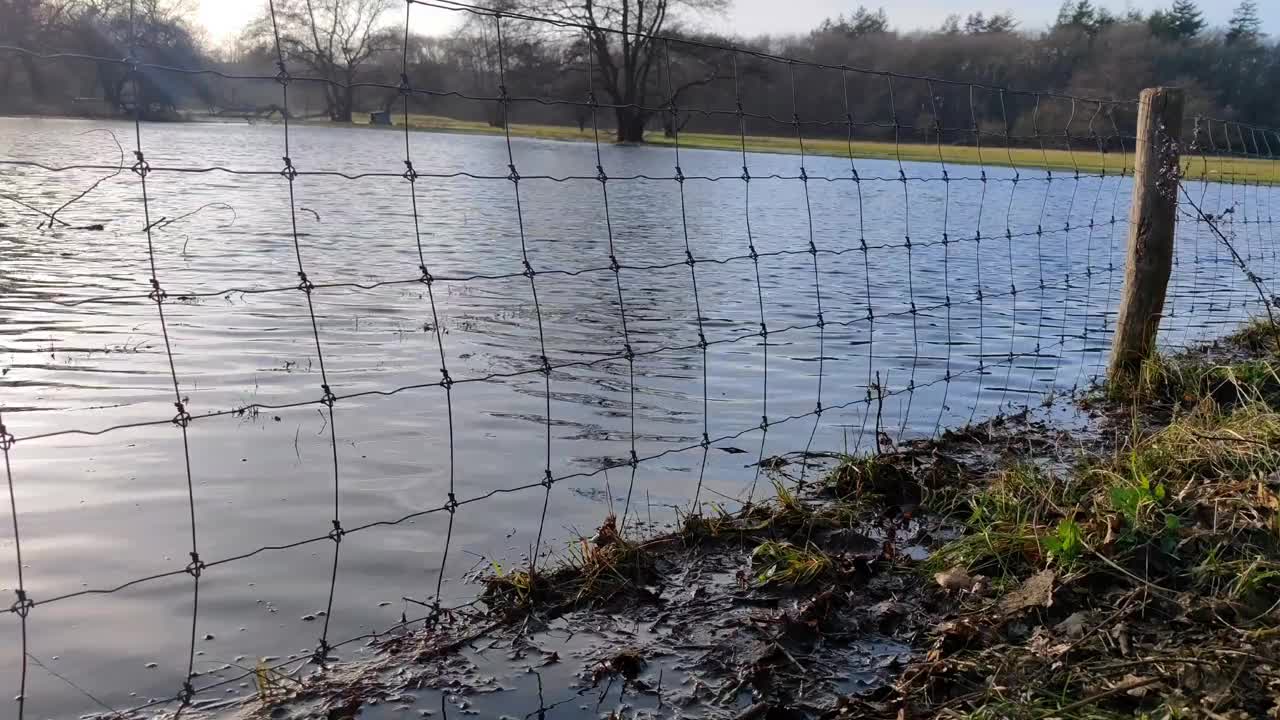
<point>504,105</point>
<point>328,399</point>
<point>864,251</point>
<point>182,419</point>
<point>911,282</point>
<point>755,265</point>
<point>946,254</point>
<point>977,257</point>
<point>428,280</point>
<point>616,267</point>
<point>820,322</point>
<point>679,179</point>
<point>22,604</point>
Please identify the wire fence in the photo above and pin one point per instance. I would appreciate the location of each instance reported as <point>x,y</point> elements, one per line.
<point>667,302</point>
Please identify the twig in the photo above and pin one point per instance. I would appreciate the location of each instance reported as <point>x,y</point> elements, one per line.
<point>119,169</point>
<point>1167,592</point>
<point>1230,438</point>
<point>1122,687</point>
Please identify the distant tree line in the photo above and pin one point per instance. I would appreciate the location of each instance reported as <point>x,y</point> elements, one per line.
<point>627,82</point>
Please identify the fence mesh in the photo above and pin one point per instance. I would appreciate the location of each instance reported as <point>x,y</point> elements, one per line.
<point>606,309</point>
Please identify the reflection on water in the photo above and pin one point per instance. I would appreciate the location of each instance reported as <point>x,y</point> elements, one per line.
<point>964,299</point>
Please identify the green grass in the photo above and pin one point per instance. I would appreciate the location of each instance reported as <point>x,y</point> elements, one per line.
<point>782,563</point>
<point>1089,162</point>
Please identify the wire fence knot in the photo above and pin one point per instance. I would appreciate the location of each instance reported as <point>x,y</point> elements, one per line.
<point>157,294</point>
<point>321,655</point>
<point>22,606</point>
<point>426,278</point>
<point>304,284</point>
<point>328,399</point>
<point>337,532</point>
<point>140,166</point>
<point>446,382</point>
<point>405,89</point>
<point>282,74</point>
<point>409,173</point>
<point>196,566</point>
<point>183,418</point>
<point>679,175</point>
<point>288,172</point>
<point>7,440</point>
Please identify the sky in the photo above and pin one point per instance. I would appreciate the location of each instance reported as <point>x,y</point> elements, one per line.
<point>222,19</point>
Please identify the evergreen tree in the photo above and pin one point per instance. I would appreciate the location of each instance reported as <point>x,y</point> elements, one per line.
<point>1079,14</point>
<point>1244,24</point>
<point>1182,21</point>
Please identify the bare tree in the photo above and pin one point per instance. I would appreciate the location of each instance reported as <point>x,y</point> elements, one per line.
<point>332,39</point>
<point>626,54</point>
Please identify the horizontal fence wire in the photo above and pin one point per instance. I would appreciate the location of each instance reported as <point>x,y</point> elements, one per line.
<point>847,303</point>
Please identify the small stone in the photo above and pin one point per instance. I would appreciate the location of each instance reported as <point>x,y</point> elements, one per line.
<point>152,665</point>
<point>308,617</point>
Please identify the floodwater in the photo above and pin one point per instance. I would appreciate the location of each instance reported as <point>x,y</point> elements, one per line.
<point>915,334</point>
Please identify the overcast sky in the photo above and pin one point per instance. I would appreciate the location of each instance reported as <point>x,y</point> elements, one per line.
<point>223,18</point>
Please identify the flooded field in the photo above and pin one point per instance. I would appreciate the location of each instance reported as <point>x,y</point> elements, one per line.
<point>924,304</point>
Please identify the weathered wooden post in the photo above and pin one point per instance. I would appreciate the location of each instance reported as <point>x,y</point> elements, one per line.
<point>1151,225</point>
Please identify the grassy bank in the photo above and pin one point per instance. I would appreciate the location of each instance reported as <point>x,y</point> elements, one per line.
<point>991,155</point>
<point>1136,579</point>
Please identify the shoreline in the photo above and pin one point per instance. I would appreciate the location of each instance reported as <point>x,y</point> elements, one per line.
<point>1230,170</point>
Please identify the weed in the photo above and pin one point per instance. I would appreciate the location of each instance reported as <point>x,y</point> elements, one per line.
<point>1066,543</point>
<point>786,564</point>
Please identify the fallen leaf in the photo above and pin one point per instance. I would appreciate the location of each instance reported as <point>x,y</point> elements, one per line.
<point>1036,591</point>
<point>1142,689</point>
<point>954,579</point>
<point>1075,625</point>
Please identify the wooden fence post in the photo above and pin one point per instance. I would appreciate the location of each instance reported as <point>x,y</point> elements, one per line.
<point>1149,259</point>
